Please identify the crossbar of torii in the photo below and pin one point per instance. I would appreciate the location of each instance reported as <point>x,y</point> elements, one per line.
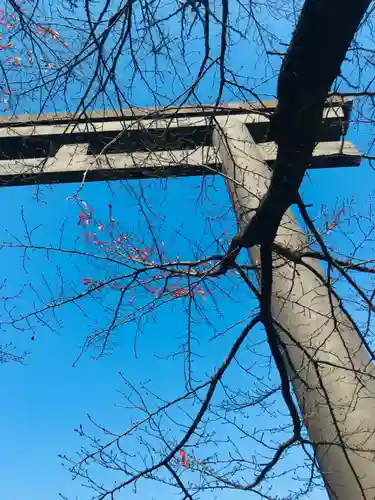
<point>330,369</point>
<point>147,143</point>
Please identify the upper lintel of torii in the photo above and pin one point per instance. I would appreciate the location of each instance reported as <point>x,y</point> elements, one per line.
<point>147,142</point>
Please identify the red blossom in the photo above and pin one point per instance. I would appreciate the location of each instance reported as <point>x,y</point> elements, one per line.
<point>184,461</point>
<point>181,292</point>
<point>88,282</point>
<point>122,238</point>
<point>101,243</point>
<point>84,218</point>
<point>92,283</point>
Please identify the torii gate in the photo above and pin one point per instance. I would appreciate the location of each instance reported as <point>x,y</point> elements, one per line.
<point>143,143</point>
<point>231,140</point>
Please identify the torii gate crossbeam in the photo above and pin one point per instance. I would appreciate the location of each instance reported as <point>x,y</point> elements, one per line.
<point>147,143</point>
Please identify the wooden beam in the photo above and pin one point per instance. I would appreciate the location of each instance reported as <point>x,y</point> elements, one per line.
<point>71,162</point>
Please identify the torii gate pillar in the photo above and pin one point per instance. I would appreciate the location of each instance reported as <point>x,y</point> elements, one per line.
<point>332,374</point>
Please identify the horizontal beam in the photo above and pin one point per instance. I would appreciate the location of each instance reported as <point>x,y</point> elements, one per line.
<point>265,107</point>
<point>72,161</point>
<point>120,126</point>
<point>118,136</point>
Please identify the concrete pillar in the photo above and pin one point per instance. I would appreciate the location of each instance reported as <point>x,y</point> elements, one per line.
<point>335,388</point>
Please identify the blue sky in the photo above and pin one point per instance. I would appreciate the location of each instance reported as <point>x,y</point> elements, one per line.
<point>45,399</point>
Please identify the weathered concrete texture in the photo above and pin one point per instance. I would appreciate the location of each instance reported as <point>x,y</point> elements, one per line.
<point>264,107</point>
<point>71,161</point>
<point>331,371</point>
<point>171,143</point>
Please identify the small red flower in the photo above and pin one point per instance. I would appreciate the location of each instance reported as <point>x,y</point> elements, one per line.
<point>180,292</point>
<point>145,254</point>
<point>184,461</point>
<point>84,219</point>
<point>88,281</point>
<point>101,243</point>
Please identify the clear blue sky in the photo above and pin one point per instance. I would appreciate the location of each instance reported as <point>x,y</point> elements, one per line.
<point>45,399</point>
